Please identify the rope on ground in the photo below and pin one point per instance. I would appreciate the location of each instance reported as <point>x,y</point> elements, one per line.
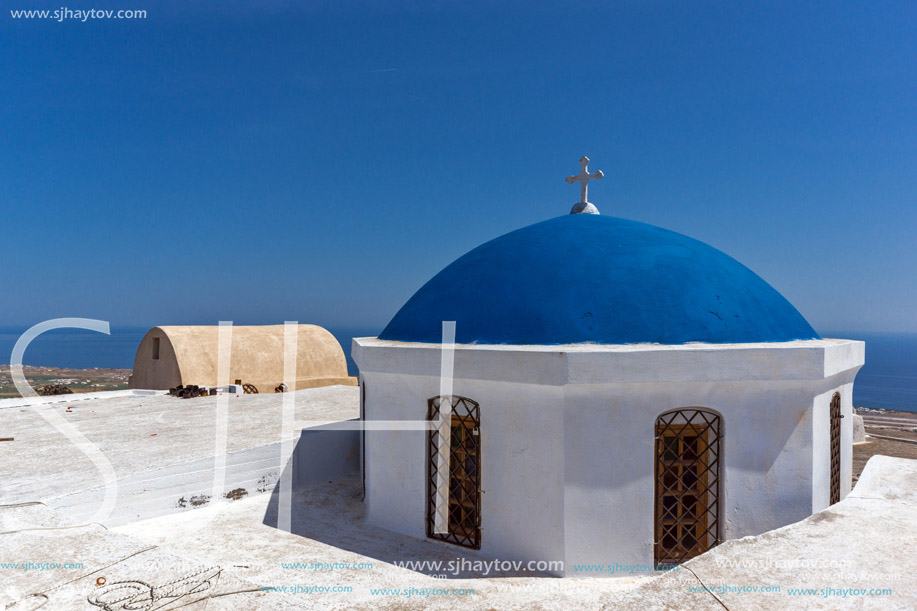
<point>142,596</point>
<point>708,590</point>
<point>93,572</point>
<point>44,593</point>
<point>220,595</point>
<point>21,530</point>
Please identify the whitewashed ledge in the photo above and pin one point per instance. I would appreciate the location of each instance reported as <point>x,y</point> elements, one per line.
<point>856,554</point>
<point>78,396</point>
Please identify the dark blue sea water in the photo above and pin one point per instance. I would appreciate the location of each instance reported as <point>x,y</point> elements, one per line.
<point>888,380</point>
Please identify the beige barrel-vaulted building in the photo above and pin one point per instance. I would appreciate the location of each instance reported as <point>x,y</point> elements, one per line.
<point>169,356</point>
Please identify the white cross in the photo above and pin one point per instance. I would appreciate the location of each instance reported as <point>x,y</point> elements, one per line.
<point>584,177</point>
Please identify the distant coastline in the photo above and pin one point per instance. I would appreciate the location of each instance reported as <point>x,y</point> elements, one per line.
<point>76,380</point>
<point>79,349</point>
<point>888,380</point>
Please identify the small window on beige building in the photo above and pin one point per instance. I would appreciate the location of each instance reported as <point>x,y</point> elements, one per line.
<point>155,348</point>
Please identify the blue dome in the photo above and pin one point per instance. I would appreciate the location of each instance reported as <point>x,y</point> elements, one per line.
<point>587,278</point>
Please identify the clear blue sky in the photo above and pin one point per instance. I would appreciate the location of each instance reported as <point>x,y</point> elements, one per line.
<point>222,162</point>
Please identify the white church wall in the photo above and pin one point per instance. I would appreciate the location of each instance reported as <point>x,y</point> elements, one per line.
<point>821,462</point>
<point>767,455</point>
<point>522,459</point>
<point>821,441</point>
<point>521,462</point>
<point>395,460</point>
<point>846,437</point>
<point>610,469</point>
<point>568,437</point>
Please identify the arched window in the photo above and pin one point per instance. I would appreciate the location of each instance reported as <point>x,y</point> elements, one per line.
<point>835,448</point>
<point>687,484</point>
<point>454,471</point>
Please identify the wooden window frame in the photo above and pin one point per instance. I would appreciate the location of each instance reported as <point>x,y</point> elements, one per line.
<point>834,440</point>
<point>687,506</point>
<point>464,496</point>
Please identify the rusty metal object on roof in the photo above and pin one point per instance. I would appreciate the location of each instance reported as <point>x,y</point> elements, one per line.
<point>54,389</point>
<point>192,391</point>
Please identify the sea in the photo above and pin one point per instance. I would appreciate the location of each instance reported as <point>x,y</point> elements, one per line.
<point>888,380</point>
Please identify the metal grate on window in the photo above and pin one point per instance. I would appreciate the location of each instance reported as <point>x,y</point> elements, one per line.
<point>454,469</point>
<point>836,448</point>
<point>687,485</point>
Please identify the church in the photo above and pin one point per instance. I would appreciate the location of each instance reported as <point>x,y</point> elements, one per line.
<point>595,390</point>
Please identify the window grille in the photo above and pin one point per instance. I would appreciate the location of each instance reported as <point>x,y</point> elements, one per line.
<point>687,485</point>
<point>454,470</point>
<point>836,448</point>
